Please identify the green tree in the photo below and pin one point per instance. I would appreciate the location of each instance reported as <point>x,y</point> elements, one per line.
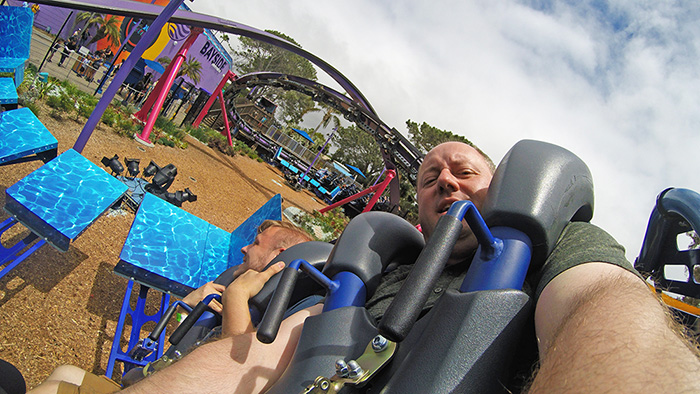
<point>408,203</point>
<point>425,137</point>
<point>256,55</point>
<point>105,27</point>
<point>190,67</point>
<point>164,61</point>
<point>358,148</point>
<point>329,116</point>
<point>291,105</point>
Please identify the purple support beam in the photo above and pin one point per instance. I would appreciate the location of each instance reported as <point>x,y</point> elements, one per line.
<point>148,11</point>
<point>379,177</point>
<point>317,155</point>
<point>125,69</point>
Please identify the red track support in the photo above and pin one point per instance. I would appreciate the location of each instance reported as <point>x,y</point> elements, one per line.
<point>377,189</point>
<point>223,111</point>
<point>155,100</point>
<point>229,76</point>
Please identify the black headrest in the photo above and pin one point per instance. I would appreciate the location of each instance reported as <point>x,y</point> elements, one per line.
<point>372,241</point>
<point>538,188</point>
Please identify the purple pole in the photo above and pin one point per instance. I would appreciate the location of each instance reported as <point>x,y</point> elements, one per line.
<point>317,155</point>
<point>380,176</point>
<point>119,51</point>
<point>153,30</point>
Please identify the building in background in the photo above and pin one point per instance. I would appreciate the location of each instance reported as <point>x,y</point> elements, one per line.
<point>207,49</point>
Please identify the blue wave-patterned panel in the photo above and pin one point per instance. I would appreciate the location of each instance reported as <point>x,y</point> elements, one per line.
<point>10,64</point>
<point>245,233</point>
<point>8,91</point>
<point>166,240</point>
<point>23,134</point>
<point>215,260</point>
<point>63,197</point>
<point>15,31</point>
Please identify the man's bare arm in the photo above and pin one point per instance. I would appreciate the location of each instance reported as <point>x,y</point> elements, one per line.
<point>600,329</point>
<point>238,364</point>
<point>200,293</point>
<point>236,315</point>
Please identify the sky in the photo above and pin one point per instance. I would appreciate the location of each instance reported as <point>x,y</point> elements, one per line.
<point>615,82</point>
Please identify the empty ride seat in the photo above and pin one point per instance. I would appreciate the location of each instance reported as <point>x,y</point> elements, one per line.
<point>62,198</point>
<point>8,93</point>
<point>15,37</point>
<point>22,134</point>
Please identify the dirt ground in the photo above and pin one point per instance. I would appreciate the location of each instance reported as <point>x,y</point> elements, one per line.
<point>62,308</point>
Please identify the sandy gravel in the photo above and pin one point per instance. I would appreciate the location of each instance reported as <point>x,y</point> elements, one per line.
<point>62,308</point>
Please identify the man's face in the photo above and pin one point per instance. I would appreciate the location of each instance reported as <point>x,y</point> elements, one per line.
<point>451,172</point>
<point>258,254</point>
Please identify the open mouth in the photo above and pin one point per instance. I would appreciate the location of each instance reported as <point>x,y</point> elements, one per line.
<point>445,206</point>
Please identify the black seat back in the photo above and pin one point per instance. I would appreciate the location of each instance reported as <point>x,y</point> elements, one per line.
<point>465,342</point>
<point>677,211</point>
<point>538,189</point>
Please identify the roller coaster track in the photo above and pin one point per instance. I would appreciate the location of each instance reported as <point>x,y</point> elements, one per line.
<point>397,151</point>
<point>151,11</point>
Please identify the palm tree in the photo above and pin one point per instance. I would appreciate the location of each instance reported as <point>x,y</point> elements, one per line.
<point>191,68</point>
<point>105,27</point>
<point>328,117</point>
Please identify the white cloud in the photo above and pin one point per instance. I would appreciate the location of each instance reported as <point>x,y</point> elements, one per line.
<point>616,83</point>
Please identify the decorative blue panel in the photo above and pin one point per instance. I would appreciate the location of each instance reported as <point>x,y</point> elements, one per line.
<point>63,197</point>
<point>215,259</point>
<point>10,64</point>
<point>167,241</point>
<point>15,37</point>
<point>174,251</point>
<point>15,32</point>
<point>22,134</point>
<point>245,233</point>
<point>8,91</point>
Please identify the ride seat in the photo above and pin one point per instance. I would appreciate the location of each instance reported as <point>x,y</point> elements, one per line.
<point>464,344</point>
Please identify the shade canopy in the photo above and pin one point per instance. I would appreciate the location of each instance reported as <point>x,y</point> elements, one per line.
<point>341,168</point>
<point>157,67</point>
<point>303,134</point>
<point>357,170</point>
